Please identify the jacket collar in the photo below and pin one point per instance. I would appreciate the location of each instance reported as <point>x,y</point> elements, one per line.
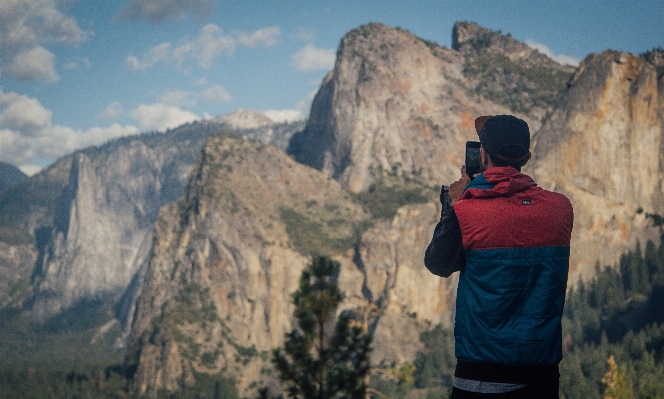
<point>497,182</point>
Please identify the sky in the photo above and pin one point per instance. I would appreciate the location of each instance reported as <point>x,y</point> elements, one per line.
<point>77,73</point>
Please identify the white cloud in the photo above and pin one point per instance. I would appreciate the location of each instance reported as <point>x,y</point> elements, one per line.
<point>300,112</point>
<point>179,98</point>
<point>27,135</point>
<point>284,115</point>
<point>311,58</point>
<point>32,64</point>
<point>160,116</point>
<point>24,114</point>
<point>152,56</point>
<point>263,37</point>
<point>24,26</point>
<point>112,111</point>
<point>559,58</point>
<point>216,94</point>
<point>30,169</point>
<point>210,43</point>
<point>77,62</point>
<point>159,11</point>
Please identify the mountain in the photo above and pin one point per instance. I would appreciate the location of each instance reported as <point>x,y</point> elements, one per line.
<point>197,237</point>
<point>10,174</point>
<point>398,105</point>
<point>603,146</point>
<point>82,228</point>
<point>509,72</point>
<point>215,295</point>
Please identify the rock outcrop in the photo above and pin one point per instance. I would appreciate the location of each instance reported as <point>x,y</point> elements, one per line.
<point>398,105</point>
<point>102,227</point>
<point>603,146</point>
<point>509,72</point>
<point>394,104</point>
<point>226,258</point>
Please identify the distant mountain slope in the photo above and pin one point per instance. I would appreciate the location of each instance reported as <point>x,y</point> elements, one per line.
<point>123,183</point>
<point>225,259</point>
<point>10,174</point>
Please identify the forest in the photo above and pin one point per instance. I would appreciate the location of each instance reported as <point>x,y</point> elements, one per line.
<point>613,347</point>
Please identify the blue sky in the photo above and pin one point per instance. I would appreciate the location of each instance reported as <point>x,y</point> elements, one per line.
<point>78,73</point>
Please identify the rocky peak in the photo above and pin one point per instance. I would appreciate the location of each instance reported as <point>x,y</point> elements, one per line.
<point>473,40</point>
<point>509,72</point>
<point>394,105</point>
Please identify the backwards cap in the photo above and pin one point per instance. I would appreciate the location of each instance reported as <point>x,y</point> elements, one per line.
<point>505,137</point>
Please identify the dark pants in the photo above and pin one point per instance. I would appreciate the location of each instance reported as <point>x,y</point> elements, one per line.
<point>541,390</point>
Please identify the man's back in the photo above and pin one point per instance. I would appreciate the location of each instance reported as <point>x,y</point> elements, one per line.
<point>516,239</point>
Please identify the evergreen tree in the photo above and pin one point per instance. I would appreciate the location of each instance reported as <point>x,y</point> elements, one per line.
<point>311,364</point>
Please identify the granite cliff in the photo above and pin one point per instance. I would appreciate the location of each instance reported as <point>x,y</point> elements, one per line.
<point>398,105</point>
<point>603,146</point>
<point>225,259</point>
<point>81,229</point>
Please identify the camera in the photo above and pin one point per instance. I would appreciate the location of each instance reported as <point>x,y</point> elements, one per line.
<point>472,158</point>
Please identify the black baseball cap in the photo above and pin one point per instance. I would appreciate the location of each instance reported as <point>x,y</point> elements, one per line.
<point>505,137</point>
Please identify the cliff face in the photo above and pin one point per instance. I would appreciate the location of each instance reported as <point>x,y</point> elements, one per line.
<point>217,288</point>
<point>398,105</point>
<point>227,257</point>
<point>85,224</point>
<point>394,104</point>
<point>603,147</point>
<point>102,228</point>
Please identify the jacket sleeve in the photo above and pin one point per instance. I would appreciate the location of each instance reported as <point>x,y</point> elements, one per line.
<point>445,254</point>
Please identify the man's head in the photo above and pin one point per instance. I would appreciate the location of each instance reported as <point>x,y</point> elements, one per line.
<point>505,141</point>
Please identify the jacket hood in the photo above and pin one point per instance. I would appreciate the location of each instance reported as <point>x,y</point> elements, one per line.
<point>498,182</point>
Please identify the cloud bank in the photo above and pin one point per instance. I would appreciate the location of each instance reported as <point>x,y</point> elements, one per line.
<point>311,58</point>
<point>559,58</point>
<point>210,43</point>
<point>28,137</point>
<point>25,25</point>
<point>159,11</point>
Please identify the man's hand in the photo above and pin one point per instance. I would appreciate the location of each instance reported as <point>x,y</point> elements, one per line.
<point>456,188</point>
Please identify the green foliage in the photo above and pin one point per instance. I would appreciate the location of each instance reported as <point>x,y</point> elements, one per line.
<point>320,231</point>
<point>519,86</point>
<point>435,366</point>
<point>34,383</point>
<point>207,386</point>
<point>383,200</point>
<point>657,219</point>
<point>312,364</point>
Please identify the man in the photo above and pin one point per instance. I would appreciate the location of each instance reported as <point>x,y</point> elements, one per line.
<point>510,241</point>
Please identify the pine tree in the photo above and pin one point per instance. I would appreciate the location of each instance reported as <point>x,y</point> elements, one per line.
<point>311,364</point>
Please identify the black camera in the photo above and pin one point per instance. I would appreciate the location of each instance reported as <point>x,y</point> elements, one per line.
<point>472,158</point>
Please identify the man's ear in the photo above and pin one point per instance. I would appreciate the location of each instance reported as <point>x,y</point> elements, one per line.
<point>485,159</point>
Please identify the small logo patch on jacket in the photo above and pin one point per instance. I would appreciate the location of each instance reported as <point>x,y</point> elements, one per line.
<point>526,202</point>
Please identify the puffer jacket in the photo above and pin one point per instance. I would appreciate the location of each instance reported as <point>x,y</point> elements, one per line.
<point>511,292</point>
